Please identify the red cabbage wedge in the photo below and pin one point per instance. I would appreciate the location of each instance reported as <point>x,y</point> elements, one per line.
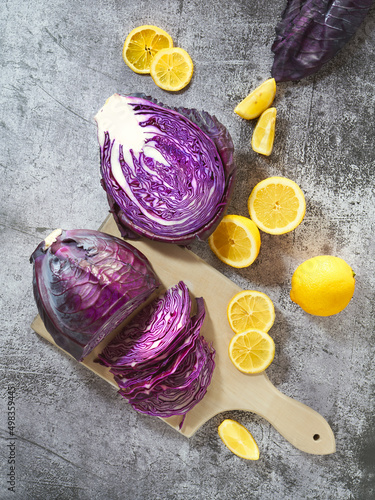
<point>168,173</point>
<point>311,32</point>
<point>85,284</point>
<point>160,361</point>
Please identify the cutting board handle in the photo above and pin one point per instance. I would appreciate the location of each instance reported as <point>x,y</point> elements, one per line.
<point>302,426</point>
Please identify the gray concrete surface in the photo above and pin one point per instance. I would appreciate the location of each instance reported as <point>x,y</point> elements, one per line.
<point>75,438</point>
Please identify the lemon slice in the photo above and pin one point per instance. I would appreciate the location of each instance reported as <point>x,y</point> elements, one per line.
<point>250,309</point>
<point>252,351</point>
<point>172,68</point>
<point>238,439</point>
<point>142,44</point>
<point>277,205</point>
<point>258,101</point>
<point>236,241</point>
<point>264,132</point>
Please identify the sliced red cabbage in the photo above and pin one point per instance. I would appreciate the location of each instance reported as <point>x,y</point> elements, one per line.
<point>173,399</point>
<point>148,337</point>
<point>85,284</point>
<point>132,380</point>
<point>178,371</point>
<point>168,173</point>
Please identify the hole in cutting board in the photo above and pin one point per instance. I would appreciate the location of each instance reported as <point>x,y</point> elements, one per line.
<point>316,437</point>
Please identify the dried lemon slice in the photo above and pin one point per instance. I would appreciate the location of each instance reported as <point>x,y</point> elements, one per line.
<point>172,69</point>
<point>142,44</point>
<point>252,351</point>
<point>250,309</point>
<point>277,205</point>
<point>258,101</point>
<point>238,439</point>
<point>264,132</point>
<point>236,241</point>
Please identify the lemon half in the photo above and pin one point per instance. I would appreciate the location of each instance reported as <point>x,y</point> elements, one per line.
<point>236,241</point>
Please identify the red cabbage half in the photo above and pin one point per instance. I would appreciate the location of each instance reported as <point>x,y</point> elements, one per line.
<point>311,32</point>
<point>85,284</point>
<point>160,361</point>
<point>168,173</point>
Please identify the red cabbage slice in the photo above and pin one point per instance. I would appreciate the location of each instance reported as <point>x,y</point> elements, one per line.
<point>181,393</point>
<point>186,372</point>
<point>151,332</point>
<point>178,371</point>
<point>168,173</point>
<point>85,284</point>
<point>134,381</point>
<point>311,32</point>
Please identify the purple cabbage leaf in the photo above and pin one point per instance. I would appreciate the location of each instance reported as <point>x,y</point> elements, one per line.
<point>180,393</point>
<point>176,374</point>
<point>168,172</point>
<point>86,283</point>
<point>311,32</point>
<point>151,333</point>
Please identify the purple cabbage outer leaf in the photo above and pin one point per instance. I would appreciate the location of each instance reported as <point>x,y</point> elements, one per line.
<point>168,172</point>
<point>178,371</point>
<point>311,32</point>
<point>86,283</point>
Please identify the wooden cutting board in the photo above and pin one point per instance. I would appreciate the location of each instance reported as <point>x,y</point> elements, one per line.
<point>230,389</point>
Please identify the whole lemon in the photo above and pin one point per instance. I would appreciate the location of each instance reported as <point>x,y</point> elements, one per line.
<point>323,285</point>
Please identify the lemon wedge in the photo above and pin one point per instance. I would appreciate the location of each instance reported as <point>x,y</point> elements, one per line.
<point>264,132</point>
<point>238,439</point>
<point>258,101</point>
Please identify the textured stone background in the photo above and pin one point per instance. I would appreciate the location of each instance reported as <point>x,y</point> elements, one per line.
<point>75,437</point>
